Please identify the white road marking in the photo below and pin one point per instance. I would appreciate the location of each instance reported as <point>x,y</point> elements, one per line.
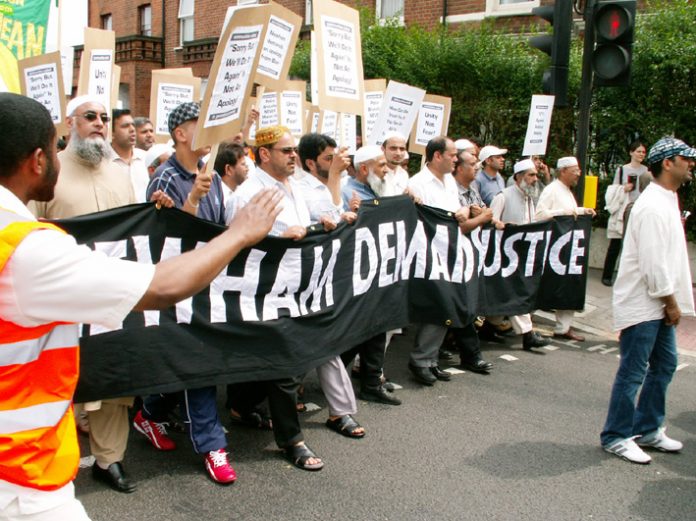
<point>453,370</point>
<point>551,347</point>
<point>311,407</point>
<point>597,347</point>
<point>509,358</point>
<point>396,386</point>
<point>682,366</point>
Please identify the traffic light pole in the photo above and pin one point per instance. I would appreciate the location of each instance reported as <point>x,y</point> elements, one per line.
<point>585,101</point>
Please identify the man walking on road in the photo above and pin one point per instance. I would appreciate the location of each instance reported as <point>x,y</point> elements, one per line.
<point>652,291</point>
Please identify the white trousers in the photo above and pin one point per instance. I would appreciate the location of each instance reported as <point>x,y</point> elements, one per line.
<point>71,510</point>
<point>564,319</point>
<point>521,323</point>
<point>337,387</point>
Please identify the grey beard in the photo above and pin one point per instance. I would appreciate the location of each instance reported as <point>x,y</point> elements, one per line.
<point>378,185</point>
<point>90,150</point>
<point>528,190</point>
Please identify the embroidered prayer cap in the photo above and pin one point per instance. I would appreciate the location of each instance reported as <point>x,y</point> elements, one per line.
<point>464,144</point>
<point>523,166</point>
<point>669,147</point>
<point>490,150</point>
<point>367,153</point>
<point>183,113</point>
<point>270,135</point>
<point>566,162</point>
<point>75,103</point>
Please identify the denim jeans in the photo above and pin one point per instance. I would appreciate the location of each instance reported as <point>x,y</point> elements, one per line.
<point>648,358</point>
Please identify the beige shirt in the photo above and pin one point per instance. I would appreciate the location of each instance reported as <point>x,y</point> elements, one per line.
<point>136,172</point>
<point>83,189</point>
<point>556,199</point>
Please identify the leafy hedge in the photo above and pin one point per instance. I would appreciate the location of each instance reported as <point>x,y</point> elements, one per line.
<point>491,75</point>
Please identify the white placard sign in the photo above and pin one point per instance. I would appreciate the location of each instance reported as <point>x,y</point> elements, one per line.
<point>347,132</point>
<point>233,75</point>
<point>431,117</point>
<point>100,68</point>
<point>315,122</point>
<point>373,104</point>
<point>313,69</point>
<point>67,64</point>
<point>340,70</point>
<point>268,110</point>
<point>329,124</point>
<point>399,111</point>
<point>538,125</point>
<point>42,85</point>
<point>291,113</point>
<point>169,97</point>
<point>275,48</point>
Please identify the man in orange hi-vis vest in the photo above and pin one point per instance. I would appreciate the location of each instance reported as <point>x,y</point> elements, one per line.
<point>48,284</point>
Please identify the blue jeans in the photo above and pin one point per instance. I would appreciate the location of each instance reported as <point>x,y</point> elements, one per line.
<point>648,358</point>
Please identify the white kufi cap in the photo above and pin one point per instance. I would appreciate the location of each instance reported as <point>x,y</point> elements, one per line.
<point>74,103</point>
<point>565,162</point>
<point>525,164</point>
<point>367,153</point>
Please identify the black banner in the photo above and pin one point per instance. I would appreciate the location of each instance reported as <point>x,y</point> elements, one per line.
<point>283,307</point>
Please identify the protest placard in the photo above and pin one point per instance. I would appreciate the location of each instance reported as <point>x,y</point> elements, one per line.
<point>41,78</point>
<point>230,81</point>
<point>538,126</point>
<point>339,68</point>
<point>269,113</point>
<point>292,102</point>
<point>372,100</point>
<point>278,47</point>
<point>347,132</point>
<point>96,66</point>
<point>169,89</point>
<point>398,113</point>
<point>432,121</point>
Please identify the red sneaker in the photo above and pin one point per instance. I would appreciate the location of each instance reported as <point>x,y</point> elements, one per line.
<point>219,468</point>
<point>153,431</point>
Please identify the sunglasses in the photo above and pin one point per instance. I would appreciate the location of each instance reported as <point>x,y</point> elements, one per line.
<point>90,116</point>
<point>286,150</point>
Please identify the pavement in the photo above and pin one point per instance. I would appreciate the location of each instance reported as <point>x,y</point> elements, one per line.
<point>596,320</point>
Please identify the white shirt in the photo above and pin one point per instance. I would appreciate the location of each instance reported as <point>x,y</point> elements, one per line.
<point>231,201</point>
<point>50,278</point>
<point>398,179</point>
<point>136,171</point>
<point>318,198</point>
<point>433,192</point>
<point>556,199</point>
<point>654,261</point>
<point>294,212</point>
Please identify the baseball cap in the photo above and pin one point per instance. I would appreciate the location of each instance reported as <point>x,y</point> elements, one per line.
<point>669,147</point>
<point>490,150</point>
<point>183,113</point>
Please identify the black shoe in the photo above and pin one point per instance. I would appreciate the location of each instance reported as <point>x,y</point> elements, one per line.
<point>114,477</point>
<point>533,339</point>
<point>608,282</point>
<point>488,333</point>
<point>445,355</point>
<point>422,375</point>
<point>478,366</point>
<point>378,395</point>
<point>440,374</point>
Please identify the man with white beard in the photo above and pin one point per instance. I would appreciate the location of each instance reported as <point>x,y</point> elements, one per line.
<point>515,205</point>
<point>370,169</point>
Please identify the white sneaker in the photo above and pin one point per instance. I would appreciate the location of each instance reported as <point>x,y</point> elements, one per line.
<point>628,450</point>
<point>660,441</point>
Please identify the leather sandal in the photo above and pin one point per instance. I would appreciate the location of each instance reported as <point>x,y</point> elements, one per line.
<point>346,426</point>
<point>298,455</point>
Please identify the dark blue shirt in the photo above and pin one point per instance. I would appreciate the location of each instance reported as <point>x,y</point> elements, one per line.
<point>174,180</point>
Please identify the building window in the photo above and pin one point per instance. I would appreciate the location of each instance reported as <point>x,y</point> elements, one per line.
<point>387,9</point>
<point>106,22</point>
<point>308,12</point>
<point>247,2</point>
<point>145,19</point>
<point>511,6</point>
<point>185,21</point>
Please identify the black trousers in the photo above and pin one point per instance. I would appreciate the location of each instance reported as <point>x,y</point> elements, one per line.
<point>282,402</point>
<point>371,353</point>
<point>467,342</point>
<point>613,252</point>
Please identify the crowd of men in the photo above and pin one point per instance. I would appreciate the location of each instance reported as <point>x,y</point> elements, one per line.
<point>286,187</point>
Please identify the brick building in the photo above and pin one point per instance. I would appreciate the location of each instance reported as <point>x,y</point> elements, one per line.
<point>156,34</point>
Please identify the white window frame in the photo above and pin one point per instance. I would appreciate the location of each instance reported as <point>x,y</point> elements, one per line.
<point>185,18</point>
<point>247,2</point>
<point>308,12</point>
<point>494,9</point>
<point>107,22</point>
<point>382,20</point>
<point>142,9</point>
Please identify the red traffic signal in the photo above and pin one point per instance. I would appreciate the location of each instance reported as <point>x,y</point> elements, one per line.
<point>613,23</point>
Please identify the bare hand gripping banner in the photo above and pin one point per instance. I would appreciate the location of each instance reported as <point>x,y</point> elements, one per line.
<point>283,307</point>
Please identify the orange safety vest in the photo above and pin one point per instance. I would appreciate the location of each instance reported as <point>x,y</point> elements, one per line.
<point>39,367</point>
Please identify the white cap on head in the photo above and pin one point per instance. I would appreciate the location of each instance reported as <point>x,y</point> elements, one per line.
<point>464,144</point>
<point>525,164</point>
<point>155,151</point>
<point>74,103</point>
<point>366,153</point>
<point>490,150</point>
<point>565,162</point>
<point>393,135</point>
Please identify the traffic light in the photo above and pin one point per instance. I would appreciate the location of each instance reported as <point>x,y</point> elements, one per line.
<point>613,23</point>
<point>560,16</point>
